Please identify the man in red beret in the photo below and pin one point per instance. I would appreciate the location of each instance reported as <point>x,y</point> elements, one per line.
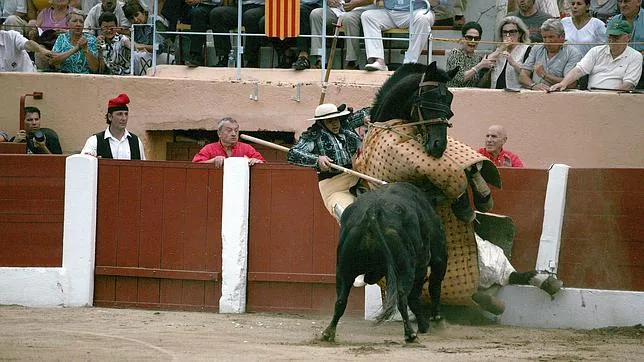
<point>116,141</point>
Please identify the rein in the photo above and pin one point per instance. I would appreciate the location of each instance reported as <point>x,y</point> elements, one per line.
<point>392,128</point>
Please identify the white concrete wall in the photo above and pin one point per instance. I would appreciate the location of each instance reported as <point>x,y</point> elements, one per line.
<point>71,285</point>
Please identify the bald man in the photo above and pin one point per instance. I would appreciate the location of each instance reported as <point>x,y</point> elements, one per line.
<point>495,138</point>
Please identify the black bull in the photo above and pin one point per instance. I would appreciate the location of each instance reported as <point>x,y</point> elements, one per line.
<point>392,231</point>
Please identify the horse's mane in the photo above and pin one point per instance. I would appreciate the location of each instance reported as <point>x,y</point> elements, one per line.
<point>393,99</point>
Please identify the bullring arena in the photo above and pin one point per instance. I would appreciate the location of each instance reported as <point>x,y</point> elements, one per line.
<point>152,260</point>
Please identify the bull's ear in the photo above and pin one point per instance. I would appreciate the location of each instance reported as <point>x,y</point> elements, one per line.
<point>452,73</point>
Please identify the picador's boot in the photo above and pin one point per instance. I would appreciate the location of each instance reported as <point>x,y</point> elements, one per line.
<point>547,283</point>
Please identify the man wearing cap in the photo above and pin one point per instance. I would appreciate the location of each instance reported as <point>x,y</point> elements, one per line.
<point>227,146</point>
<point>332,139</point>
<point>13,52</point>
<point>614,66</point>
<point>631,11</point>
<point>116,141</point>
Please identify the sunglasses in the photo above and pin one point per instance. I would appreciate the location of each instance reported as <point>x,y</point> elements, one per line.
<point>472,38</point>
<point>509,32</point>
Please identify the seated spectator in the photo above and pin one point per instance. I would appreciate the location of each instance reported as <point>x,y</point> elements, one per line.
<point>13,52</point>
<point>116,142</point>
<point>75,52</point>
<point>87,5</point>
<point>4,136</point>
<point>114,48</point>
<point>532,17</point>
<point>15,14</point>
<point>50,22</point>
<point>581,27</point>
<point>547,64</point>
<point>227,146</point>
<point>444,13</point>
<point>604,9</point>
<point>495,138</point>
<point>39,140</point>
<point>471,65</point>
<point>143,36</point>
<point>196,13</point>
<point>224,19</point>
<point>351,25</point>
<point>615,66</point>
<point>396,14</point>
<point>304,44</point>
<point>510,55</point>
<point>631,11</point>
<point>113,6</point>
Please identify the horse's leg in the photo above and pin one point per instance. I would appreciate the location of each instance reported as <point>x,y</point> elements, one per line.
<point>521,278</point>
<point>481,192</point>
<point>342,289</point>
<point>410,335</point>
<point>414,301</point>
<point>543,281</point>
<point>438,268</point>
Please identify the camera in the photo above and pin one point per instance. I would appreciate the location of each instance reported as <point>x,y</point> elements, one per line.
<point>39,136</point>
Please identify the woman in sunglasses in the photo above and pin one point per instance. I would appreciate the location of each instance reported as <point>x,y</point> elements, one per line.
<point>471,65</point>
<point>511,54</point>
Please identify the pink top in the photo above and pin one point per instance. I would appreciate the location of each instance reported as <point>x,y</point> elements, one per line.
<point>215,149</point>
<point>48,21</point>
<point>503,159</point>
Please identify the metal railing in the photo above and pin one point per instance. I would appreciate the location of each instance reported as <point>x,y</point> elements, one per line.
<point>239,35</point>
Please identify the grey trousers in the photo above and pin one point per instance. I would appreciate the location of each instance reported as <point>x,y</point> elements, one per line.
<point>350,23</point>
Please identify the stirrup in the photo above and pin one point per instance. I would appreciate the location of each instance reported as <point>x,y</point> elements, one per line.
<point>337,211</point>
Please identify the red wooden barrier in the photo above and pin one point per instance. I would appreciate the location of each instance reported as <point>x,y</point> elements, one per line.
<point>603,237</point>
<point>522,198</point>
<point>292,246</point>
<point>158,235</point>
<point>32,191</point>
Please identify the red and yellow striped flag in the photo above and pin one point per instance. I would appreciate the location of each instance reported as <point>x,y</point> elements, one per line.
<point>282,18</point>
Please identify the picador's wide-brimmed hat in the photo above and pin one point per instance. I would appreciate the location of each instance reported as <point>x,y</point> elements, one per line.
<point>329,110</point>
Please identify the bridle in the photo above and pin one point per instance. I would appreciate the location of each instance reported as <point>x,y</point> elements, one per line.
<point>420,102</point>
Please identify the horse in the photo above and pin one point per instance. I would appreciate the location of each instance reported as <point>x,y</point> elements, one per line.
<point>400,147</point>
<point>418,94</point>
<point>392,231</point>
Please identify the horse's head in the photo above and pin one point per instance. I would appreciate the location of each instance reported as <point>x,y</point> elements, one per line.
<point>431,106</point>
<point>418,93</point>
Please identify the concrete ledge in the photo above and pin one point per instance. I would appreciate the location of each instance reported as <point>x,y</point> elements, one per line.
<point>528,306</point>
<point>33,287</point>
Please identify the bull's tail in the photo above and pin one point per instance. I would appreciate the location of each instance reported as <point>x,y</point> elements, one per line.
<point>391,295</point>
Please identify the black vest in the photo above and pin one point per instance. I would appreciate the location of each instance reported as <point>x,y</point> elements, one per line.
<point>103,146</point>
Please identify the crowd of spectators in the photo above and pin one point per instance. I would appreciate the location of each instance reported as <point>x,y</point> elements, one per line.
<point>93,36</point>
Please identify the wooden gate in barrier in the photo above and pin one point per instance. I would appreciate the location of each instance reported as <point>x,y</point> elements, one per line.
<point>158,237</point>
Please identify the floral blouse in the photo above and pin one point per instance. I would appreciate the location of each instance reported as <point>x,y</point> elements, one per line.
<point>458,58</point>
<point>76,63</point>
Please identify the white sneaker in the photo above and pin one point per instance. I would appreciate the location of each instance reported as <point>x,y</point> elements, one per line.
<point>375,66</point>
<point>359,281</point>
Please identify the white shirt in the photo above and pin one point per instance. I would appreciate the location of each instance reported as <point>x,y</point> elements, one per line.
<point>608,73</point>
<point>13,56</point>
<point>593,32</point>
<point>120,148</point>
<point>91,21</point>
<point>11,7</point>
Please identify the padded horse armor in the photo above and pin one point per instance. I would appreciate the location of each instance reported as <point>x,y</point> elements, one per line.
<point>392,152</point>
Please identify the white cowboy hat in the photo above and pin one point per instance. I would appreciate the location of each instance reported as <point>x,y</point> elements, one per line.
<point>329,110</point>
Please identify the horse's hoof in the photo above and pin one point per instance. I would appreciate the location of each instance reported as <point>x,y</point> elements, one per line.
<point>412,339</point>
<point>551,285</point>
<point>327,338</point>
<point>423,328</point>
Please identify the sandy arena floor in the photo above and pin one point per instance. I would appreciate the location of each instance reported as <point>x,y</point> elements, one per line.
<point>99,334</point>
